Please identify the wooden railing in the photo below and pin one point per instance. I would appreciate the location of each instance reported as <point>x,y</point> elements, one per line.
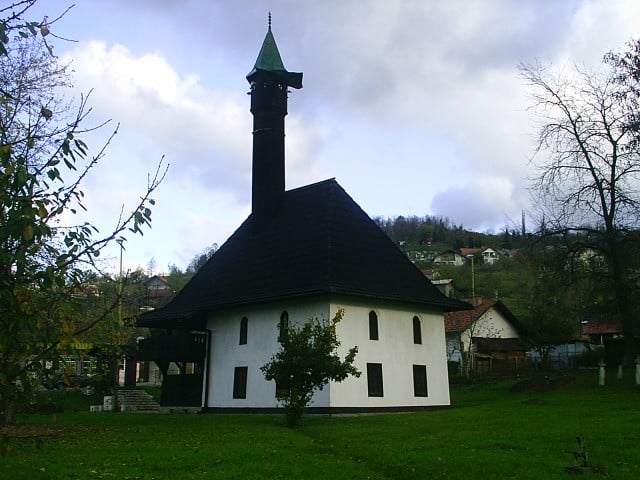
<point>176,347</point>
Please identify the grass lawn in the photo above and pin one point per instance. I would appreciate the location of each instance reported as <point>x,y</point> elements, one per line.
<point>490,432</point>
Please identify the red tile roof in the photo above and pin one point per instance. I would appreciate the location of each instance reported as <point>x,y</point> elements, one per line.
<point>469,251</point>
<point>461,320</point>
<point>599,328</point>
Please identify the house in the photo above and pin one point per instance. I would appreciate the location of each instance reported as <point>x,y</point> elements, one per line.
<point>449,257</point>
<point>489,256</point>
<point>597,331</point>
<point>488,332</point>
<point>157,290</point>
<point>446,286</point>
<point>301,254</point>
<point>585,259</point>
<point>508,253</point>
<point>157,286</point>
<point>469,252</point>
<point>561,356</point>
<point>606,333</point>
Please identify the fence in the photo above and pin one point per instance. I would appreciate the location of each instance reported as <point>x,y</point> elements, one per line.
<point>487,366</point>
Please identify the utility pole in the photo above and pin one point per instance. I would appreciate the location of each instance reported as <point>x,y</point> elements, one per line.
<point>120,284</point>
<point>473,278</point>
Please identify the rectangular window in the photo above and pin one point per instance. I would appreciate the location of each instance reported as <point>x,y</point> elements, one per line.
<point>240,382</point>
<point>420,381</point>
<point>374,379</point>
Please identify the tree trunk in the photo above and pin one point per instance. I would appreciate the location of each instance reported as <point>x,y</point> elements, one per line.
<point>7,405</point>
<point>623,299</point>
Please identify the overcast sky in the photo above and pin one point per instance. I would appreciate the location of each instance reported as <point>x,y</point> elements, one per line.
<point>415,107</point>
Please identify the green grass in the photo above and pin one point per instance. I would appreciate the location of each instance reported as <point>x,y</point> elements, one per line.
<point>490,432</point>
<point>55,401</point>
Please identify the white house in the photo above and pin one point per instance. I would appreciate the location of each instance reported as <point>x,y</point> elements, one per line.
<point>301,254</point>
<point>449,257</point>
<point>490,330</point>
<point>489,256</point>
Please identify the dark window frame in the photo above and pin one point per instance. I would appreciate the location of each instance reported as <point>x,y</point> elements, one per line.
<point>417,330</point>
<point>375,383</point>
<point>420,381</point>
<point>280,388</point>
<point>240,376</point>
<point>374,332</point>
<point>283,324</point>
<point>284,319</point>
<point>244,326</point>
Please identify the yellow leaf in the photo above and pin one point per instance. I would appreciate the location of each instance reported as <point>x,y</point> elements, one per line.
<point>27,233</point>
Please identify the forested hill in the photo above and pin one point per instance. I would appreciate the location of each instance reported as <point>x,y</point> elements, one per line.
<point>429,232</point>
<point>510,278</point>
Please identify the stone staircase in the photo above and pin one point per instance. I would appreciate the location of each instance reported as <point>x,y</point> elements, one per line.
<point>137,401</point>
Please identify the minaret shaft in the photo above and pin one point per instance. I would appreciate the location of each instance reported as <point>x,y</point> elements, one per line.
<point>268,179</point>
<point>269,90</point>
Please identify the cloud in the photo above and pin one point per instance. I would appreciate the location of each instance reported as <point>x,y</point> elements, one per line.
<point>599,26</point>
<point>205,134</point>
<point>408,104</point>
<point>201,132</point>
<point>304,142</point>
<point>483,203</point>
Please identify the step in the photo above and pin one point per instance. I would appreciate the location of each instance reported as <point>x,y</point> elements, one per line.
<point>137,401</point>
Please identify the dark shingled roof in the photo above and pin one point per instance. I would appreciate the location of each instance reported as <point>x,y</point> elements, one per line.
<point>319,242</point>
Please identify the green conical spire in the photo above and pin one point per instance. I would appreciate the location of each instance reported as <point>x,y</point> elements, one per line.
<point>269,60</point>
<point>269,57</point>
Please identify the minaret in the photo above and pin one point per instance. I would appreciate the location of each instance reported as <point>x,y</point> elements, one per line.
<point>269,82</point>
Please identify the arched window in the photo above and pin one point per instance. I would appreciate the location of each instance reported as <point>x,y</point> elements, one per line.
<point>417,330</point>
<point>373,325</point>
<point>243,330</point>
<point>283,326</point>
<point>284,320</point>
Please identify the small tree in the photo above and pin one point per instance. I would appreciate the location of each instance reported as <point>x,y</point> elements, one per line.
<point>549,318</point>
<point>44,253</point>
<point>307,361</point>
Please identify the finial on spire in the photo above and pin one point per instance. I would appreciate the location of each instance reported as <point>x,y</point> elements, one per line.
<point>269,61</point>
